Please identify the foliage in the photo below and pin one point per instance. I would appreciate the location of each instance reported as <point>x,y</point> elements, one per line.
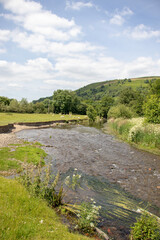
<point>65,101</point>
<point>23,216</point>
<point>88,216</point>
<point>146,228</point>
<point>91,113</point>
<point>152,109</point>
<point>120,111</point>
<point>155,87</point>
<point>105,105</point>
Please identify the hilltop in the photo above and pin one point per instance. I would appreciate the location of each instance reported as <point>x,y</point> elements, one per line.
<point>112,88</point>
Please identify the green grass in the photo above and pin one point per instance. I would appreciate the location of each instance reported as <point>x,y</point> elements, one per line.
<point>28,153</point>
<point>6,118</point>
<point>5,163</point>
<point>24,217</point>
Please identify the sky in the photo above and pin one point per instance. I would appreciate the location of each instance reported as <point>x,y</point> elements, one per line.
<point>47,45</point>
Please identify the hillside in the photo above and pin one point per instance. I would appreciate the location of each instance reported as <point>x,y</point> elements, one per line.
<point>96,91</point>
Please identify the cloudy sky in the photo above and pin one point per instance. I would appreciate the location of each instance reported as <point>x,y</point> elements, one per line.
<point>47,45</point>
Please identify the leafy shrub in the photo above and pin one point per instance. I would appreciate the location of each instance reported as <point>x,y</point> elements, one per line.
<point>146,228</point>
<point>120,111</point>
<point>151,109</point>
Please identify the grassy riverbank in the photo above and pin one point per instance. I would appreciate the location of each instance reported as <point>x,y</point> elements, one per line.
<point>17,156</point>
<point>6,118</point>
<point>136,131</point>
<point>25,217</point>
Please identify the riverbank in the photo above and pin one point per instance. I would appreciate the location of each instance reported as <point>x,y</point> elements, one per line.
<point>137,132</point>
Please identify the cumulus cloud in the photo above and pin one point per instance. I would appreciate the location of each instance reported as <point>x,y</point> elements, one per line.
<point>142,32</point>
<point>118,18</point>
<point>69,73</point>
<point>32,17</point>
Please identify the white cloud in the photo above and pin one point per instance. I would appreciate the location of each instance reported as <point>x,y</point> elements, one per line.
<point>118,18</point>
<point>40,77</point>
<point>3,50</point>
<point>32,17</point>
<point>142,32</point>
<point>4,35</point>
<point>78,5</point>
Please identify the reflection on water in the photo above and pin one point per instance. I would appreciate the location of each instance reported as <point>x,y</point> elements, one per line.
<point>109,168</point>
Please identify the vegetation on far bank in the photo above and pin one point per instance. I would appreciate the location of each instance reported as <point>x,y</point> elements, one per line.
<point>26,217</point>
<point>138,132</point>
<point>6,118</point>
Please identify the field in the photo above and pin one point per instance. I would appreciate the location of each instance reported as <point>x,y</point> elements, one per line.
<point>6,118</point>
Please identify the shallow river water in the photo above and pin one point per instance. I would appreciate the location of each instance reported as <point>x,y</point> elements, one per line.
<point>119,177</point>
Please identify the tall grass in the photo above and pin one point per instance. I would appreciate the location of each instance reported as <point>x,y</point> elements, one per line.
<point>136,131</point>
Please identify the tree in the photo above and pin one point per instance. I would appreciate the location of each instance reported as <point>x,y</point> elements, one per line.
<point>105,105</point>
<point>14,106</point>
<point>91,113</point>
<point>65,101</point>
<point>23,104</point>
<point>152,109</point>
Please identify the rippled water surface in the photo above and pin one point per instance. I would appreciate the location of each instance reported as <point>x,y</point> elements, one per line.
<point>119,177</point>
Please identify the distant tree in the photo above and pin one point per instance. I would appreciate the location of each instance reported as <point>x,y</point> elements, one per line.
<point>14,106</point>
<point>23,105</point>
<point>65,101</point>
<point>127,95</point>
<point>39,108</point>
<point>105,105</point>
<point>91,113</point>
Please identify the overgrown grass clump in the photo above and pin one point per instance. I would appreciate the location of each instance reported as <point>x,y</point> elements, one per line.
<point>137,131</point>
<point>23,216</point>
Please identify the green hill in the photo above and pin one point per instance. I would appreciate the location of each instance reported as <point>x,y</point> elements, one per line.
<point>112,88</point>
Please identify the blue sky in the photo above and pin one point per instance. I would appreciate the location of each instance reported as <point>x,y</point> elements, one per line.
<point>47,45</point>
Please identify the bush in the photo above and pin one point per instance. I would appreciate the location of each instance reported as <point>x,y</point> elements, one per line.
<point>146,228</point>
<point>120,111</point>
<point>151,109</point>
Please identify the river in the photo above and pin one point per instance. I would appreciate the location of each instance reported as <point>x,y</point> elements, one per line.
<point>120,178</point>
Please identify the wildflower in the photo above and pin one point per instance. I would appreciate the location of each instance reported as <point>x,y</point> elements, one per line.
<point>41,221</point>
<point>92,225</point>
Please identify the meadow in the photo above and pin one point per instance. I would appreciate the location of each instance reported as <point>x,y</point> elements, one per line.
<point>7,118</point>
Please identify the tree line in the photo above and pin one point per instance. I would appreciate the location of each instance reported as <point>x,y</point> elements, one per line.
<point>128,103</point>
